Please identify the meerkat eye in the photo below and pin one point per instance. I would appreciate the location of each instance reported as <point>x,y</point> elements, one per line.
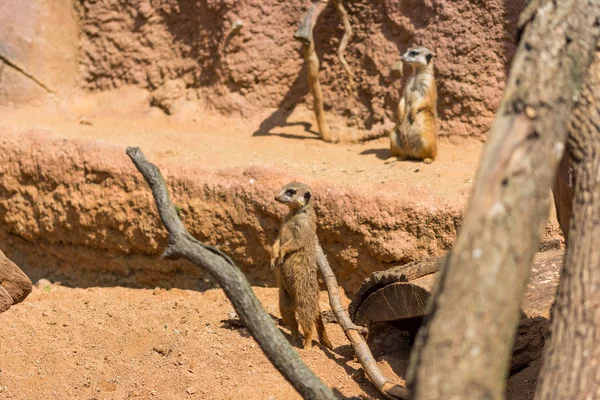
<point>290,192</point>
<point>413,54</point>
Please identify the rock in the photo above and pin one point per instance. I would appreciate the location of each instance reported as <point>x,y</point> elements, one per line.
<point>191,390</point>
<point>15,285</point>
<point>169,96</point>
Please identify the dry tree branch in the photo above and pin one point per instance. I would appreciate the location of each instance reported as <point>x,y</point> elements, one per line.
<point>181,244</point>
<point>339,6</point>
<point>574,342</point>
<point>353,332</point>
<point>304,35</point>
<point>463,349</point>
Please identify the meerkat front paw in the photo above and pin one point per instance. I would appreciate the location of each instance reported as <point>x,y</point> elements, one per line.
<point>428,161</point>
<point>274,263</point>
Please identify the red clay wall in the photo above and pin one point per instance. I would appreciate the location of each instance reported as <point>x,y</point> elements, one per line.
<point>148,42</point>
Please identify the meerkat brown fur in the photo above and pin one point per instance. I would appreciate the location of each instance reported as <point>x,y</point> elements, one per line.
<point>295,260</point>
<point>415,134</point>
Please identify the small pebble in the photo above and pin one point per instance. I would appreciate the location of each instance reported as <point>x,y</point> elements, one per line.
<point>190,390</point>
<point>43,283</point>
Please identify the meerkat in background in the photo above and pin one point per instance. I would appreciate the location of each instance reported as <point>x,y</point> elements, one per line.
<point>295,260</point>
<point>415,134</point>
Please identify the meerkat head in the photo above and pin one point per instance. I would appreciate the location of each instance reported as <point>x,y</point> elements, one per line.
<point>295,195</point>
<point>417,56</point>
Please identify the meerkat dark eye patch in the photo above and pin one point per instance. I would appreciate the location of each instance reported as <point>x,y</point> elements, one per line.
<point>307,196</point>
<point>428,57</point>
<point>290,192</point>
<point>413,54</point>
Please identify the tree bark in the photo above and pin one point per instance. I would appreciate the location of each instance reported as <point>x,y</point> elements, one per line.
<point>235,285</point>
<point>571,368</point>
<point>463,350</point>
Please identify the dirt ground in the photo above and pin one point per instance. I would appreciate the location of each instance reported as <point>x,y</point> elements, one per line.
<point>202,139</point>
<point>119,343</point>
<point>73,208</point>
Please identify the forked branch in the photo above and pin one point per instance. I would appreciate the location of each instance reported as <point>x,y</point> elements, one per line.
<point>353,332</point>
<point>181,244</point>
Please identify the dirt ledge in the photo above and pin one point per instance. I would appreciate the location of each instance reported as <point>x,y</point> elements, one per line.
<point>78,212</point>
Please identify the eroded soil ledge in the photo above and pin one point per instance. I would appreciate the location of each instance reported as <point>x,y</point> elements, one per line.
<point>78,212</point>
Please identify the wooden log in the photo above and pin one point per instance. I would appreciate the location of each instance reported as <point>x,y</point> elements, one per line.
<point>397,297</point>
<point>374,302</point>
<point>343,14</point>
<point>388,388</point>
<point>5,300</point>
<point>15,286</point>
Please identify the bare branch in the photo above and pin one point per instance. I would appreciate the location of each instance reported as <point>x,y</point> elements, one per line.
<point>181,244</point>
<point>339,6</point>
<point>353,332</point>
<point>574,343</point>
<point>304,34</point>
<point>463,350</point>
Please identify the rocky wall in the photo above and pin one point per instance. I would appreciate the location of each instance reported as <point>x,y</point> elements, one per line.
<point>150,43</point>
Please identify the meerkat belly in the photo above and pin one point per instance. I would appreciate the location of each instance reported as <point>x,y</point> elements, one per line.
<point>409,130</point>
<point>297,273</point>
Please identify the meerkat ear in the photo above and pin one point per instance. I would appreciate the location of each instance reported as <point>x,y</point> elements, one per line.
<point>307,197</point>
<point>428,57</point>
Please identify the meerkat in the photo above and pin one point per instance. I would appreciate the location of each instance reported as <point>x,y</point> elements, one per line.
<point>295,262</point>
<point>415,134</point>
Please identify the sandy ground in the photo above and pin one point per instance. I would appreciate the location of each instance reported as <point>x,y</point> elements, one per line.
<point>119,343</point>
<point>199,140</point>
<point>116,343</point>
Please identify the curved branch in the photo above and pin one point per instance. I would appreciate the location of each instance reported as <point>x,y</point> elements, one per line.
<point>353,333</point>
<point>339,6</point>
<point>181,244</point>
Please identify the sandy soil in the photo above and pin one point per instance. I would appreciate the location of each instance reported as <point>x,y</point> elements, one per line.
<point>115,342</point>
<point>218,142</point>
<point>118,343</point>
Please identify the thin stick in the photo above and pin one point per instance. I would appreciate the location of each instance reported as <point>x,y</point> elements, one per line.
<point>353,333</point>
<point>339,6</point>
<point>181,244</point>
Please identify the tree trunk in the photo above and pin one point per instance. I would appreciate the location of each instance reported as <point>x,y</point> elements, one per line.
<point>571,368</point>
<point>463,350</point>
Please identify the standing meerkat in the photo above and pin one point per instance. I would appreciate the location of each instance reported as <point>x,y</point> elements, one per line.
<point>295,259</point>
<point>415,134</point>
